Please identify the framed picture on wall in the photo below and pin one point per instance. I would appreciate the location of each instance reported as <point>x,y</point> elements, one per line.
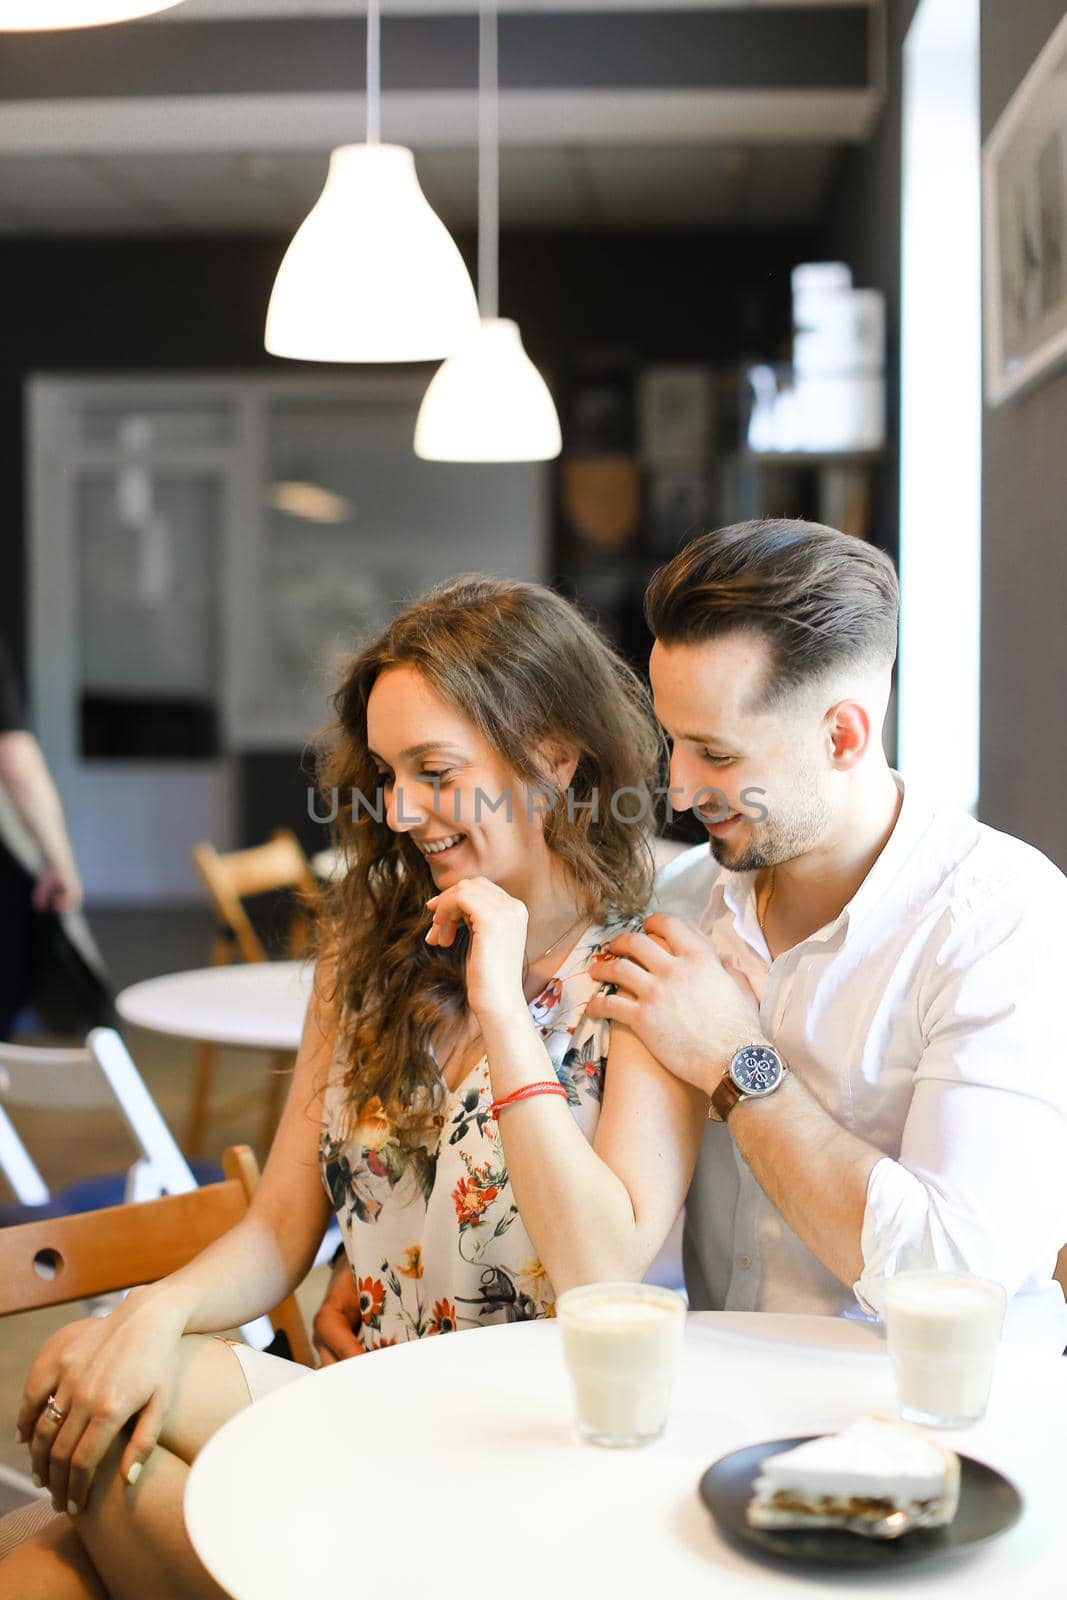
<point>1024,217</point>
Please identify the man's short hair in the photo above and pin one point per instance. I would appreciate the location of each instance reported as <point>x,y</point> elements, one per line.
<point>821,599</point>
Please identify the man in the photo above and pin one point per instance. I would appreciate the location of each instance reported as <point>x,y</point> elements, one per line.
<point>27,785</point>
<point>863,983</point>
<point>895,964</point>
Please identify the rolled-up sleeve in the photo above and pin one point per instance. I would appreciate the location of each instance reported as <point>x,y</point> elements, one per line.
<point>980,1181</point>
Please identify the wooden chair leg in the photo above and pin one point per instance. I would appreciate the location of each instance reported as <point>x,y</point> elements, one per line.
<point>279,1073</point>
<point>198,1106</point>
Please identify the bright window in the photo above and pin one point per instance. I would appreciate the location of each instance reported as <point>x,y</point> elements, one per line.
<point>940,447</point>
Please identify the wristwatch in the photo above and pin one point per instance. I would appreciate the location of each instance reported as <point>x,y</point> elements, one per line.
<point>756,1070</point>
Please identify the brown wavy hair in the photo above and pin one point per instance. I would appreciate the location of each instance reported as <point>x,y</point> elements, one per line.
<point>527,670</point>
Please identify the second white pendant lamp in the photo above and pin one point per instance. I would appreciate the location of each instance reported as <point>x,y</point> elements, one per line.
<point>37,16</point>
<point>372,273</point>
<point>488,402</point>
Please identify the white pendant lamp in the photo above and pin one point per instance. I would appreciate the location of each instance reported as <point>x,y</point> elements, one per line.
<point>372,273</point>
<point>35,16</point>
<point>488,402</point>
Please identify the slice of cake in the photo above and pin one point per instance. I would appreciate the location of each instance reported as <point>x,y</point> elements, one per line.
<point>879,1477</point>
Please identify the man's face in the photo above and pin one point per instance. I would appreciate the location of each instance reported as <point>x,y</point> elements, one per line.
<point>758,780</point>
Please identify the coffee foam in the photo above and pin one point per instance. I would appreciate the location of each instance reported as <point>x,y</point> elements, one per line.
<point>940,1298</point>
<point>617,1312</point>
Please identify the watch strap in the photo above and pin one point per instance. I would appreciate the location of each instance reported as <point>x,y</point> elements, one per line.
<point>724,1097</point>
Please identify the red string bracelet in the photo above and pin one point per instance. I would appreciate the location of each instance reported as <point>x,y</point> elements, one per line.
<point>527,1092</point>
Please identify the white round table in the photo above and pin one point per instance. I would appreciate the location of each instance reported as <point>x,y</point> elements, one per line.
<point>327,864</point>
<point>449,1466</point>
<point>259,1005</point>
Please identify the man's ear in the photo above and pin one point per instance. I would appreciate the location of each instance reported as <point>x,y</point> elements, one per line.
<point>848,728</point>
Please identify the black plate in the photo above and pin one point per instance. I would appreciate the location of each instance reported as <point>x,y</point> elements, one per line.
<point>989,1505</point>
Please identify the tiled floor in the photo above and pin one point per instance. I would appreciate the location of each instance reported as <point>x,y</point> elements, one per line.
<point>136,944</point>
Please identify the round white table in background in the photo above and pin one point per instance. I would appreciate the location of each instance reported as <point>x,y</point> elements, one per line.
<point>259,1005</point>
<point>449,1467</point>
<point>326,864</point>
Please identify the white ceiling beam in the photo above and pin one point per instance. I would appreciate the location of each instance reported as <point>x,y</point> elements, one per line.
<point>251,123</point>
<point>237,10</point>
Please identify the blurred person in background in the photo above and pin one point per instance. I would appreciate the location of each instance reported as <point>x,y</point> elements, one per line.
<point>28,792</point>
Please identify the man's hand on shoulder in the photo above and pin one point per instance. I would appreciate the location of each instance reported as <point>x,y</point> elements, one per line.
<point>689,1010</point>
<point>335,1330</point>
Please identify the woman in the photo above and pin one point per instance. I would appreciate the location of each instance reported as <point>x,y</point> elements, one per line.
<point>481,1143</point>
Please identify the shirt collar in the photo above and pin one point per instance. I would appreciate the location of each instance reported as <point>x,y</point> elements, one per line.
<point>913,819</point>
<point>738,889</point>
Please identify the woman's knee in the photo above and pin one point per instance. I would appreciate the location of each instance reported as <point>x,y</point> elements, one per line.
<point>51,1564</point>
<point>211,1389</point>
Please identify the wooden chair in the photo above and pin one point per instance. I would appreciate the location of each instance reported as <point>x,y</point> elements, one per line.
<point>265,868</point>
<point>230,879</point>
<point>93,1253</point>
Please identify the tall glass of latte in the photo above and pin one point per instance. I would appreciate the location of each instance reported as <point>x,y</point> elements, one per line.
<point>943,1331</point>
<point>621,1343</point>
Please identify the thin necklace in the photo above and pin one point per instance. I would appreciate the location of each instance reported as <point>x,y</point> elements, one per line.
<point>762,920</point>
<point>475,1037</point>
<point>531,961</point>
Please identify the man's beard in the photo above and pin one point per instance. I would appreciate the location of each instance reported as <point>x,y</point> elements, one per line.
<point>750,858</point>
<point>790,830</point>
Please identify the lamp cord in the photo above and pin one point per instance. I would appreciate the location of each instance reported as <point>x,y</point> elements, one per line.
<point>488,161</point>
<point>374,74</point>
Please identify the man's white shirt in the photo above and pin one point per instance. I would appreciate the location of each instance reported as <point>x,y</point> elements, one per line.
<point>928,1020</point>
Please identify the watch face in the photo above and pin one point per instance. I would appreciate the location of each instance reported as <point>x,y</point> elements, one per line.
<point>756,1070</point>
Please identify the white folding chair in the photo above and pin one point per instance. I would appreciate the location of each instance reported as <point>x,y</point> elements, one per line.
<point>100,1075</point>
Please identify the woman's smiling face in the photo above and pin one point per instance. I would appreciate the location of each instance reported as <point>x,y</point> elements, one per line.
<point>443,784</point>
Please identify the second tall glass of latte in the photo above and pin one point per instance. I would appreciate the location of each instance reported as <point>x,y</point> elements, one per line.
<point>943,1330</point>
<point>621,1343</point>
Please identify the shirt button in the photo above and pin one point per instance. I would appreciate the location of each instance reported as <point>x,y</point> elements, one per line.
<point>744,1261</point>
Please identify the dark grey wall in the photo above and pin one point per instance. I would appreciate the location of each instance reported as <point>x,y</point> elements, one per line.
<point>1024,561</point>
<point>863,228</point>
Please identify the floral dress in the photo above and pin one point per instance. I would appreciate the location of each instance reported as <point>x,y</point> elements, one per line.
<point>431,1230</point>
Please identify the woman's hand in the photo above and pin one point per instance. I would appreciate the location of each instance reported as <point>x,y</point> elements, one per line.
<point>497,953</point>
<point>335,1330</point>
<point>102,1371</point>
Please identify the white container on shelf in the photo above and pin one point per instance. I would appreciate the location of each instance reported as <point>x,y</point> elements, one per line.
<point>814,280</point>
<point>844,333</point>
<point>841,412</point>
<point>820,291</point>
<point>832,398</point>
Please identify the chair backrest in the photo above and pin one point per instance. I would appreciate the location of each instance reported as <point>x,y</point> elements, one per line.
<point>91,1253</point>
<point>231,878</point>
<point>100,1075</point>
